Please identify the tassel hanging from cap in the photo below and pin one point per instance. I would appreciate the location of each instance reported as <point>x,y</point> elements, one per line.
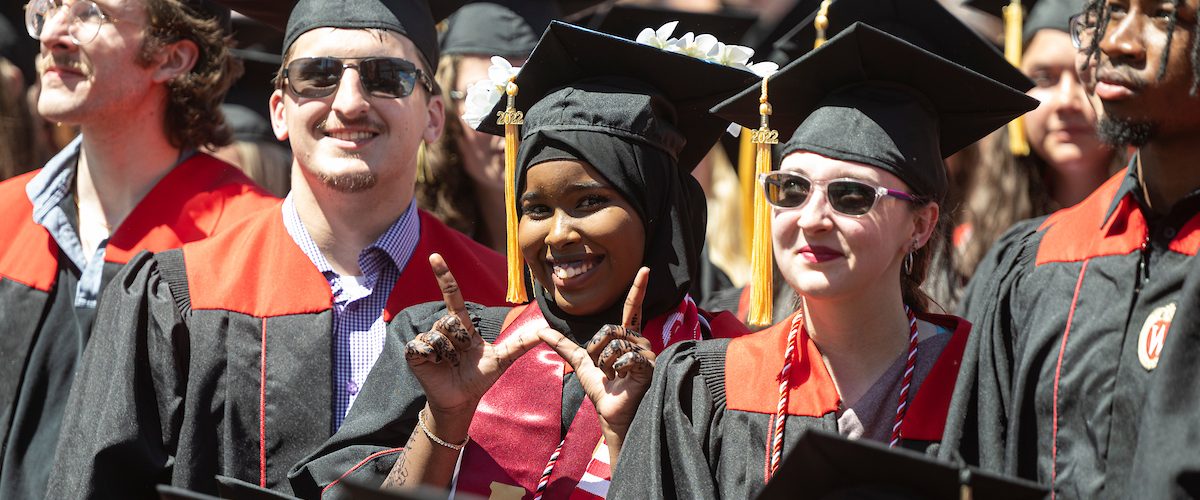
<point>1014,20</point>
<point>746,151</point>
<point>821,23</point>
<point>512,120</point>
<point>761,269</point>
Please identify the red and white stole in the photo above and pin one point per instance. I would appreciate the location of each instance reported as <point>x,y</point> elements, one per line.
<point>517,425</point>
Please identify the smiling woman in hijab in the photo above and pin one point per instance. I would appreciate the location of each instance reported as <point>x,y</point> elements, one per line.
<point>611,130</point>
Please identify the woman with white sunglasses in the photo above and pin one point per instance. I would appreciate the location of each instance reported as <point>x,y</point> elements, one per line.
<point>853,205</point>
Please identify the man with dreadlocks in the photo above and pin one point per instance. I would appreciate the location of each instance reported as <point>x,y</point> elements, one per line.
<point>1074,311</point>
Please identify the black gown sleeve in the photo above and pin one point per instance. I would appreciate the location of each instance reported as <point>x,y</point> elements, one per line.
<point>667,451</point>
<point>978,424</point>
<point>384,414</point>
<point>121,424</point>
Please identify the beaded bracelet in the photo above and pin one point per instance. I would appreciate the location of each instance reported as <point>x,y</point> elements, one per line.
<point>429,434</point>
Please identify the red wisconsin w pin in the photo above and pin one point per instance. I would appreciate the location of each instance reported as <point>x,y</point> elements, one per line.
<point>1154,335</point>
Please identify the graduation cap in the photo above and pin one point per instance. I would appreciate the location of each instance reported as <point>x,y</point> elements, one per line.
<point>869,97</point>
<point>626,21</point>
<point>506,28</point>
<point>415,19</point>
<point>577,79</point>
<point>1050,15</point>
<point>924,23</point>
<point>227,488</point>
<point>826,465</point>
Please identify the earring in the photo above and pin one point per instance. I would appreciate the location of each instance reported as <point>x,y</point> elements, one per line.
<point>908,259</point>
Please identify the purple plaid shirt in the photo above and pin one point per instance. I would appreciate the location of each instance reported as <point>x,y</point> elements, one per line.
<point>358,326</point>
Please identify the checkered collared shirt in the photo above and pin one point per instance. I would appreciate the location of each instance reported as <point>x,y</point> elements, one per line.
<point>358,326</point>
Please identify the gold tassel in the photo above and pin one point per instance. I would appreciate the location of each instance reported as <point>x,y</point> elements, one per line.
<point>761,273</point>
<point>745,164</point>
<point>512,120</point>
<point>821,23</point>
<point>1014,20</point>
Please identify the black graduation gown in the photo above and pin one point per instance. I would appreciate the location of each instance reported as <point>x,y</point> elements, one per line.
<point>43,333</point>
<point>367,446</point>
<point>217,359</point>
<point>1053,385</point>
<point>701,431</point>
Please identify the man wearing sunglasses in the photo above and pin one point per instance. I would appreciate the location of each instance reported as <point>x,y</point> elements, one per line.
<point>142,80</point>
<point>241,355</point>
<point>1083,374</point>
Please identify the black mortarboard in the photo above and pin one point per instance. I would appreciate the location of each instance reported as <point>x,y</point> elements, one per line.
<point>687,86</point>
<point>826,465</point>
<point>506,28</point>
<point>620,106</point>
<point>996,7</point>
<point>924,23</point>
<point>415,19</point>
<point>869,97</point>
<point>626,21</point>
<point>1050,15</point>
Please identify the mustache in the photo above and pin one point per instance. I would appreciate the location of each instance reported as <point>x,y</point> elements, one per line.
<point>72,63</point>
<point>364,123</point>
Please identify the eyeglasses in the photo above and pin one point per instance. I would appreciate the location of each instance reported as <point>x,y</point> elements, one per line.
<point>1083,29</point>
<point>390,77</point>
<point>786,190</point>
<point>84,19</point>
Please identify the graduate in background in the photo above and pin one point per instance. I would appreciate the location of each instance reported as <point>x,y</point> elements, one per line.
<point>855,202</point>
<point>461,180</point>
<point>240,355</point>
<point>1066,159</point>
<point>611,131</point>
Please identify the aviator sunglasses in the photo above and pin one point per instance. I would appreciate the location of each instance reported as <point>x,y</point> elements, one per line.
<point>847,196</point>
<point>390,77</point>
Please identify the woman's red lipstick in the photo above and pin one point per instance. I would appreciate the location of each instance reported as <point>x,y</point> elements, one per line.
<point>818,254</point>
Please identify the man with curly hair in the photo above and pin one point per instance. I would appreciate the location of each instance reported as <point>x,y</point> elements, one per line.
<point>143,80</point>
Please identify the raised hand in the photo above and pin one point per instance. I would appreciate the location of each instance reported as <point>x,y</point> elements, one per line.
<point>453,363</point>
<point>616,367</point>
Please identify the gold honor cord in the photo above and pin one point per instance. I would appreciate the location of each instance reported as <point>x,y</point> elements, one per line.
<point>761,273</point>
<point>512,121</point>
<point>1014,19</point>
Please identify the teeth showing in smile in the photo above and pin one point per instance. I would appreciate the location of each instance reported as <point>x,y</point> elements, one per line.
<point>351,136</point>
<point>568,270</point>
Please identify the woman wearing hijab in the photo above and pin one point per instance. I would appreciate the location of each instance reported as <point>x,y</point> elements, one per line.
<point>611,129</point>
<point>853,205</point>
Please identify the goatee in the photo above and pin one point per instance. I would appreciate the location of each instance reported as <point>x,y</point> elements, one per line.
<point>1118,132</point>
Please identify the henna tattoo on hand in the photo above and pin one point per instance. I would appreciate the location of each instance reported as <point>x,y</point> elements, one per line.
<point>454,327</point>
<point>636,359</point>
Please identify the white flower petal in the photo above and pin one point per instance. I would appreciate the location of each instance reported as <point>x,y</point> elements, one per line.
<point>706,42</point>
<point>764,69</point>
<point>734,129</point>
<point>664,32</point>
<point>646,37</point>
<point>737,54</point>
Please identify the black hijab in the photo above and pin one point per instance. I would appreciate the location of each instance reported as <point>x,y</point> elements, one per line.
<point>590,121</point>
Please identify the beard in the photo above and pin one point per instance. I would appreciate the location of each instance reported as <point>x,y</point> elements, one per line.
<point>1118,132</point>
<point>350,183</point>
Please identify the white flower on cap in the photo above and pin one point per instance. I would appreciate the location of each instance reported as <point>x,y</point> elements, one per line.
<point>483,95</point>
<point>658,38</point>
